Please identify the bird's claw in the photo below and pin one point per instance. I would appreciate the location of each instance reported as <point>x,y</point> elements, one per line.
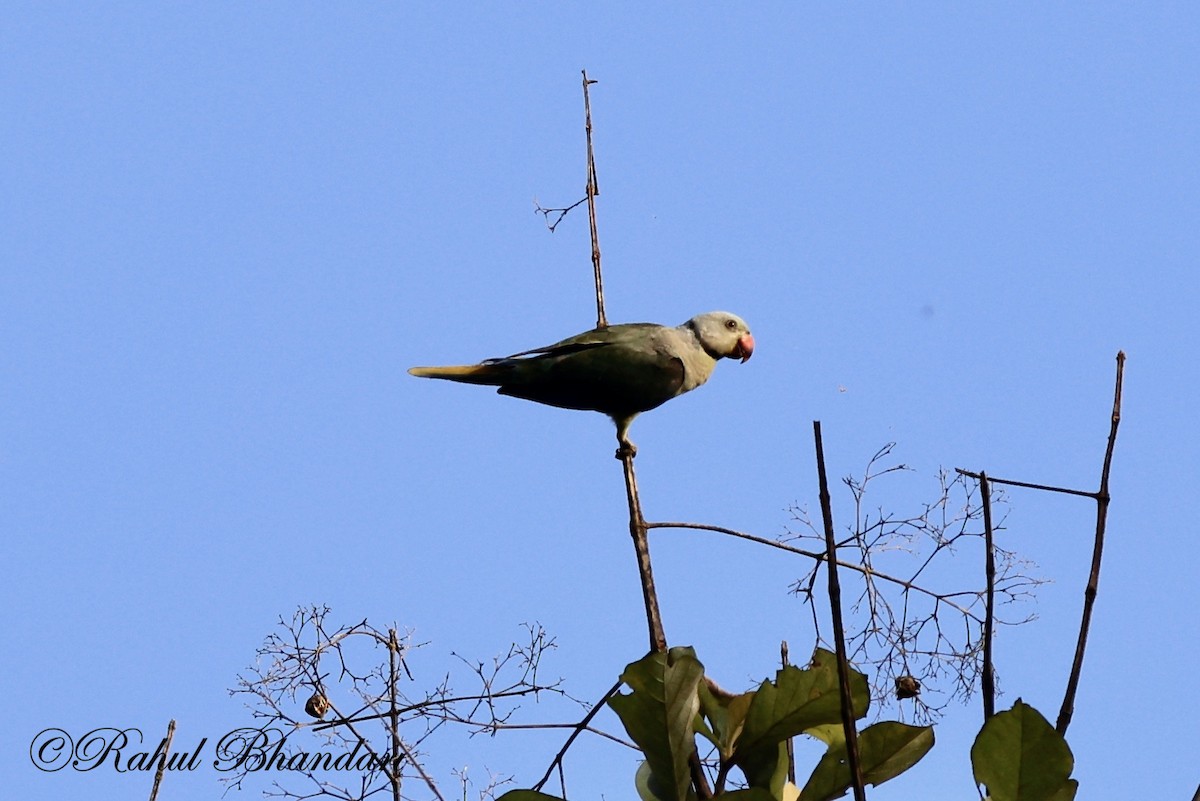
<point>627,449</point>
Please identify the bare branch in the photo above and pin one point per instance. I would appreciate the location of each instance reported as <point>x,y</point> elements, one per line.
<point>387,724</point>
<point>945,598</point>
<point>559,213</point>
<point>579,727</point>
<point>899,631</point>
<point>658,638</point>
<point>593,189</point>
<point>987,679</point>
<point>1089,593</point>
<point>641,546</point>
<point>839,633</point>
<point>791,748</point>
<point>1013,483</point>
<point>158,774</point>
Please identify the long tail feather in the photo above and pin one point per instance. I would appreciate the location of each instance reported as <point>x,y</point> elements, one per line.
<point>490,374</point>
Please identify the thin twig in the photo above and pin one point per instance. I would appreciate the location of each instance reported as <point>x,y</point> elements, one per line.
<point>601,733</point>
<point>393,767</point>
<point>593,189</point>
<point>425,777</point>
<point>579,727</point>
<point>1010,482</point>
<point>820,557</point>
<point>986,681</point>
<point>561,212</point>
<point>379,760</point>
<point>158,774</point>
<point>432,702</point>
<point>839,634</point>
<point>1089,594</point>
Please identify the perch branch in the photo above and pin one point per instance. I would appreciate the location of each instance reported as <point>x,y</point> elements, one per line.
<point>637,522</point>
<point>593,189</point>
<point>641,546</point>
<point>658,637</point>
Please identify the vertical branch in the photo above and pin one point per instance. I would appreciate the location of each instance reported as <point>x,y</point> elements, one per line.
<point>987,680</point>
<point>637,522</point>
<point>791,754</point>
<point>393,772</point>
<point>641,545</point>
<point>158,774</point>
<point>1089,594</point>
<point>839,634</point>
<point>593,189</point>
<point>658,638</point>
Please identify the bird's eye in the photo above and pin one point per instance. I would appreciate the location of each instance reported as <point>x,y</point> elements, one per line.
<point>731,324</point>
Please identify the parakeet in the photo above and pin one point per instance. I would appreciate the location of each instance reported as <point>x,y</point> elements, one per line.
<point>620,370</point>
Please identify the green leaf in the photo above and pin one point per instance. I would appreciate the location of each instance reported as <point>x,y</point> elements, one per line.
<point>739,707</point>
<point>647,787</point>
<point>885,750</point>
<point>527,795</point>
<point>831,734</point>
<point>1066,792</point>
<point>703,730</point>
<point>798,700</point>
<point>766,770</point>
<point>1019,756</point>
<point>726,715</point>
<point>749,794</point>
<point>659,716</point>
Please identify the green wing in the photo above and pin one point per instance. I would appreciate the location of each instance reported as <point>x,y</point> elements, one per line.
<point>619,370</point>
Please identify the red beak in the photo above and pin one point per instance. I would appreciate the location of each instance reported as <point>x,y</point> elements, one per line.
<point>744,349</point>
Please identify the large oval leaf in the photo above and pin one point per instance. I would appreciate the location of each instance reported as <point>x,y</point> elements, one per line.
<point>885,751</point>
<point>1019,756</point>
<point>660,714</point>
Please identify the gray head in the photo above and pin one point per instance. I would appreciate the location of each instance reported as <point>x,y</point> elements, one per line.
<point>722,335</point>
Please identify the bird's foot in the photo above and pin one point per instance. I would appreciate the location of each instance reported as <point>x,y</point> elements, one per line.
<point>627,449</point>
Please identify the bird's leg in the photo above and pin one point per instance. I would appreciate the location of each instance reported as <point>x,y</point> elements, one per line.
<point>625,447</point>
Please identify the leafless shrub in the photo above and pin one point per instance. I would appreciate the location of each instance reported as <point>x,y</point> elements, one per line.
<point>308,671</point>
<point>924,621</point>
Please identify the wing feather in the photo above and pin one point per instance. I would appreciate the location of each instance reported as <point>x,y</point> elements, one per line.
<point>619,370</point>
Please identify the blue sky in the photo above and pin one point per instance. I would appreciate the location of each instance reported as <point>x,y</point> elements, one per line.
<point>227,230</point>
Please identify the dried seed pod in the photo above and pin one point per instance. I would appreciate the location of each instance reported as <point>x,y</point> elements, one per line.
<point>318,705</point>
<point>907,687</point>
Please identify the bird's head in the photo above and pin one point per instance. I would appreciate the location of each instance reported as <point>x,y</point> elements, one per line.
<point>723,335</point>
